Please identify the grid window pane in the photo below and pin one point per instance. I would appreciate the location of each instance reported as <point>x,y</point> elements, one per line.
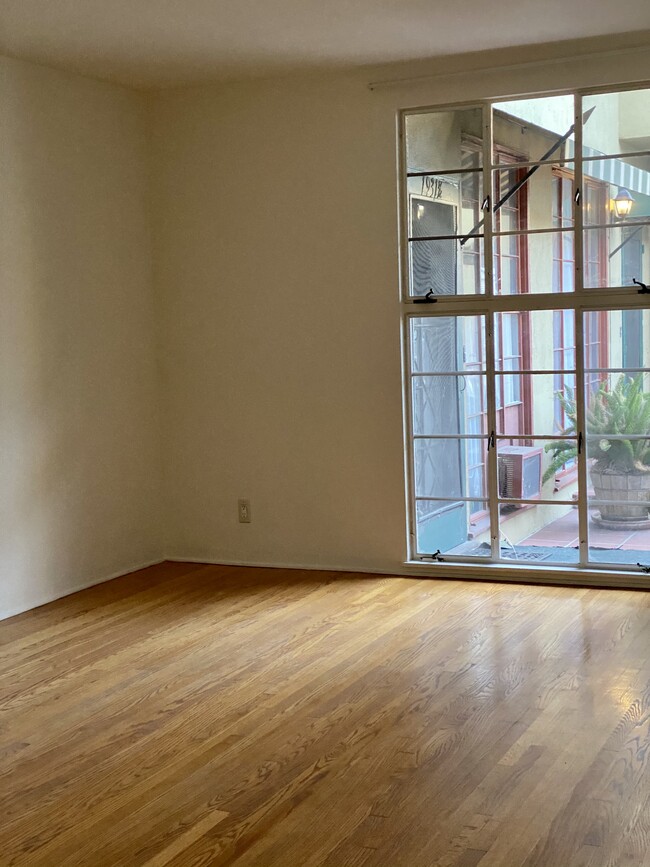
<point>455,529</point>
<point>445,344</point>
<point>618,124</point>
<point>434,138</point>
<point>540,126</point>
<point>532,211</point>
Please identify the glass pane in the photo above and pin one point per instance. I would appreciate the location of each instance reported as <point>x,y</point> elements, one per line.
<point>619,519</point>
<point>532,469</point>
<point>546,534</point>
<point>446,267</point>
<point>534,129</point>
<point>616,256</point>
<point>443,344</point>
<point>442,140</point>
<point>533,198</point>
<point>522,341</point>
<point>616,339</point>
<point>509,348</point>
<point>460,529</point>
<point>442,466</point>
<point>619,122</point>
<point>449,405</point>
<point>615,191</point>
<point>445,204</point>
<point>536,404</point>
<point>618,422</point>
<point>534,263</point>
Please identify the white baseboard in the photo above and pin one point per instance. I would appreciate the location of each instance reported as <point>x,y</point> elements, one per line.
<point>400,569</point>
<point>84,585</point>
<point>492,572</point>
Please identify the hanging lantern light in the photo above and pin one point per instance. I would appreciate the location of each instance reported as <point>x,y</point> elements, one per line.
<point>623,203</point>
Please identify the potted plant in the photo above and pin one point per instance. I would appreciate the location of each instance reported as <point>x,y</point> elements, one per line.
<point>619,468</point>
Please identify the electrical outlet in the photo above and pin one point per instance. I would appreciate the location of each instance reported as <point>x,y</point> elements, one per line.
<point>244,509</point>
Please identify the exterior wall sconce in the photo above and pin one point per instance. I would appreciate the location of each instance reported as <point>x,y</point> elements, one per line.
<point>623,203</point>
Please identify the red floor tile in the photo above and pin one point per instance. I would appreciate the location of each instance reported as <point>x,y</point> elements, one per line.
<point>561,533</point>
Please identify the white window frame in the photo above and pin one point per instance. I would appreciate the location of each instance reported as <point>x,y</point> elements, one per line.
<point>488,304</point>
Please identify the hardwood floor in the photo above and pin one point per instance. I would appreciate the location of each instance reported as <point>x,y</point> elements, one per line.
<point>194,715</point>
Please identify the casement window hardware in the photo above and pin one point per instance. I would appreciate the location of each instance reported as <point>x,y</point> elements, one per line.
<point>429,298</point>
<point>435,556</point>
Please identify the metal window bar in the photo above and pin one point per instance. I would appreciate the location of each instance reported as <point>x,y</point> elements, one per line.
<point>461,373</point>
<point>618,224</point>
<point>413,238</point>
<point>583,514</point>
<point>589,158</point>
<point>616,369</point>
<point>441,172</point>
<point>473,437</point>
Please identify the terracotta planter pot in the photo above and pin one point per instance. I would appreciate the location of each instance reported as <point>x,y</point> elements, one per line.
<point>632,489</point>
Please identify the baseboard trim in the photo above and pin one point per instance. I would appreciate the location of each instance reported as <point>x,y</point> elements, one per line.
<point>494,573</point>
<point>400,571</point>
<point>84,585</point>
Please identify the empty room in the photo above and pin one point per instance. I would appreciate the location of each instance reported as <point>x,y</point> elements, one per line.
<point>324,433</point>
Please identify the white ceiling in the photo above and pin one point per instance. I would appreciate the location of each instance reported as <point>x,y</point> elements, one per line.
<point>157,43</point>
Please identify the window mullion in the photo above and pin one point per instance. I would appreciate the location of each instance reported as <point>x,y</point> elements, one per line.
<point>578,247</point>
<point>488,229</point>
<point>492,469</point>
<point>578,186</point>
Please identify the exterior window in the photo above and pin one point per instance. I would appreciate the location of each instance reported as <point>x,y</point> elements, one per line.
<point>526,382</point>
<point>563,242</point>
<point>595,242</point>
<point>595,264</point>
<point>510,265</point>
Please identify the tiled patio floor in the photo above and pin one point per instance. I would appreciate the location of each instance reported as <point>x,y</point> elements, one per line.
<point>563,533</point>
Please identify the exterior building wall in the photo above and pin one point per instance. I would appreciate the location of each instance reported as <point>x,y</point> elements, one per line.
<point>633,118</point>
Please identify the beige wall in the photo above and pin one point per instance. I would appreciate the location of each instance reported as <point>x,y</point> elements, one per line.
<point>79,460</point>
<point>277,263</point>
<point>276,251</point>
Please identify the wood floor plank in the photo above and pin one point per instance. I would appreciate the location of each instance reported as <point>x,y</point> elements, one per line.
<point>192,715</point>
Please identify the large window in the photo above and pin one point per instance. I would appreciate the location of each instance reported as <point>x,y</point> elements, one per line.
<point>526,225</point>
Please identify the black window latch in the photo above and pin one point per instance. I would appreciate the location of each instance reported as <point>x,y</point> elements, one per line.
<point>643,568</point>
<point>429,298</point>
<point>644,290</point>
<point>435,556</point>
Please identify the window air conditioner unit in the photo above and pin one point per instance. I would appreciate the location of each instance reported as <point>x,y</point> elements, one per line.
<point>520,472</point>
